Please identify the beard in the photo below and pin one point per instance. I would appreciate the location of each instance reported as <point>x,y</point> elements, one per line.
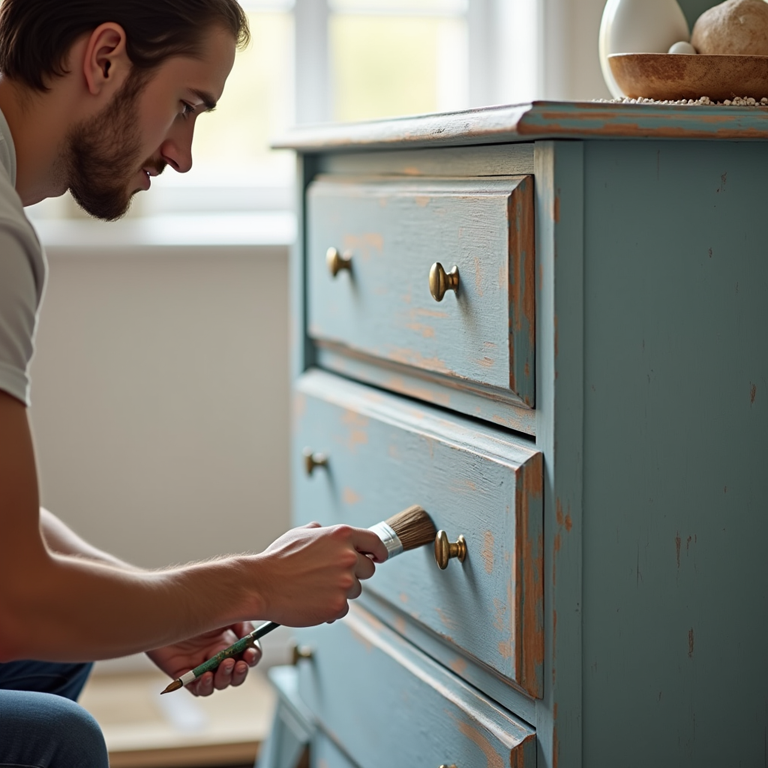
<point>104,154</point>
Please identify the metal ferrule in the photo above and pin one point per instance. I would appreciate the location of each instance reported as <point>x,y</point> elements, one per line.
<point>389,537</point>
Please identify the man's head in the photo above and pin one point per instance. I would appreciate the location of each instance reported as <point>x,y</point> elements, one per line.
<point>127,78</point>
<point>37,35</point>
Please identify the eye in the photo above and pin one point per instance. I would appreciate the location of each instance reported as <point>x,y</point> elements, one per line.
<point>187,109</point>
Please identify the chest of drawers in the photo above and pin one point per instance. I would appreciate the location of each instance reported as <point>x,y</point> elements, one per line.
<point>547,325</point>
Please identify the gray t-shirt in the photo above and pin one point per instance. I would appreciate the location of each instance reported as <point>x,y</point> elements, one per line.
<point>22,277</point>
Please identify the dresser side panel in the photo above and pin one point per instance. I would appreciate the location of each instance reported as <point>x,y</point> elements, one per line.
<point>676,454</point>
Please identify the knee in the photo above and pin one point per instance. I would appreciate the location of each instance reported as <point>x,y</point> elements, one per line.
<point>79,739</point>
<point>50,731</point>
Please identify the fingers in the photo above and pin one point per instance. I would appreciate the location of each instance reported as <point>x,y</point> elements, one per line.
<point>365,567</point>
<point>231,672</point>
<point>368,543</point>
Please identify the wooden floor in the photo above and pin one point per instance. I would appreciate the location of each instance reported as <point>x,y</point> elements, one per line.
<point>144,730</point>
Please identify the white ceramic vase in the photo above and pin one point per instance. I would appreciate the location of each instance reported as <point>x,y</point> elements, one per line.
<point>638,26</point>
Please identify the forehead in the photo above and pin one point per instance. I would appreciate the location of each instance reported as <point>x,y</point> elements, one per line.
<point>206,72</point>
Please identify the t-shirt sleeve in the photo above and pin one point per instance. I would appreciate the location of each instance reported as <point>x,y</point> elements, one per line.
<point>19,298</point>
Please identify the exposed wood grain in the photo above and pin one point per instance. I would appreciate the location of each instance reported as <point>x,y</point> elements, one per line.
<point>536,121</point>
<point>394,230</point>
<point>473,480</point>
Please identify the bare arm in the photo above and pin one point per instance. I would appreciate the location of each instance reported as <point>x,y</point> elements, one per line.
<point>65,607</point>
<point>63,540</point>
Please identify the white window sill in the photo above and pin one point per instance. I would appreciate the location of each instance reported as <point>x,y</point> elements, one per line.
<point>274,228</point>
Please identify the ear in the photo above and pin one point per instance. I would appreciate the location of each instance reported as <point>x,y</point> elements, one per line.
<point>105,62</point>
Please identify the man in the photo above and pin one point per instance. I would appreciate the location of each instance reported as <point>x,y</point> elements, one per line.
<point>97,98</point>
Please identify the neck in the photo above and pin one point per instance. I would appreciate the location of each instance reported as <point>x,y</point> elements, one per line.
<point>39,125</point>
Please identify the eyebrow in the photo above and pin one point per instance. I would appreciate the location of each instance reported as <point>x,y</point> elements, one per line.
<point>206,98</point>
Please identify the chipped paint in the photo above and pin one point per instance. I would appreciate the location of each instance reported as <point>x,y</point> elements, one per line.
<point>478,277</point>
<point>416,358</point>
<point>493,758</point>
<point>458,665</point>
<point>500,609</point>
<point>448,621</point>
<point>537,120</point>
<point>357,425</point>
<point>427,331</point>
<point>487,552</point>
<point>350,497</point>
<point>404,597</point>
<point>364,246</point>
<point>532,608</point>
<point>422,200</point>
<point>522,289</point>
<point>506,649</point>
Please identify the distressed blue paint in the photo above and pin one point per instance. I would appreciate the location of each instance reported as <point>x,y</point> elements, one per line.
<point>385,455</point>
<point>405,709</point>
<point>650,413</point>
<point>394,230</point>
<point>537,121</point>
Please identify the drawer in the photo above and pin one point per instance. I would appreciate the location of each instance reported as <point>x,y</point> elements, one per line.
<point>389,704</point>
<point>393,231</point>
<point>385,454</point>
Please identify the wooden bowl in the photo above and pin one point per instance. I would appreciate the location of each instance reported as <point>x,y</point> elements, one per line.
<point>674,76</point>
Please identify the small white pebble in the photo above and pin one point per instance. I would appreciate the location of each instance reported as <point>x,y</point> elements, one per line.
<point>682,47</point>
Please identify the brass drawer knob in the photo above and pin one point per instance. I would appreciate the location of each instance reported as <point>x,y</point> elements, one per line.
<point>312,460</point>
<point>299,652</point>
<point>445,550</point>
<point>441,281</point>
<point>337,261</point>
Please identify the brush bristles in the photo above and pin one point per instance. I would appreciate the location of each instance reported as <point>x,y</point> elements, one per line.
<point>414,527</point>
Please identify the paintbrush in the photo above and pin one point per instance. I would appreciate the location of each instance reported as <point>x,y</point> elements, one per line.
<point>404,531</point>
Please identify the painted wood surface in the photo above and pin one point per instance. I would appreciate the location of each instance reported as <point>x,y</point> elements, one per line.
<point>384,455</point>
<point>293,725</point>
<point>651,310</point>
<point>675,494</point>
<point>432,388</point>
<point>560,428</point>
<point>394,230</point>
<point>535,122</point>
<point>401,708</point>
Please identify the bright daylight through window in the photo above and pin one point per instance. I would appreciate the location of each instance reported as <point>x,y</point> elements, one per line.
<point>313,61</point>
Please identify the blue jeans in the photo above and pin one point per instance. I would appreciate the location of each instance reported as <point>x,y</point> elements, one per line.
<point>41,726</point>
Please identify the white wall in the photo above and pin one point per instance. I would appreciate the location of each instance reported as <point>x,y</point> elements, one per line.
<point>160,398</point>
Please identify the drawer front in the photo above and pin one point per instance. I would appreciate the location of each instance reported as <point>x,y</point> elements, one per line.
<point>384,455</point>
<point>390,705</point>
<point>394,231</point>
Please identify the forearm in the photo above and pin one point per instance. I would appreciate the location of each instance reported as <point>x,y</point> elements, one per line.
<point>63,540</point>
<point>96,610</point>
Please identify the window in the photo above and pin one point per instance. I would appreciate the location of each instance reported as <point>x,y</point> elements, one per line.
<point>313,61</point>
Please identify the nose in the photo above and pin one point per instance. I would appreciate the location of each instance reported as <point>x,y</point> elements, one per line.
<point>176,150</point>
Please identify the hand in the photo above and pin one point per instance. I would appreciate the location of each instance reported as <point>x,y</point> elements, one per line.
<point>310,573</point>
<point>179,658</point>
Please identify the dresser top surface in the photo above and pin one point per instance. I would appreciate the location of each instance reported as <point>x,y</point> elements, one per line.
<point>537,120</point>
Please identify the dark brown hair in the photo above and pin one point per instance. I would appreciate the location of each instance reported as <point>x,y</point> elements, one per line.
<point>36,35</point>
